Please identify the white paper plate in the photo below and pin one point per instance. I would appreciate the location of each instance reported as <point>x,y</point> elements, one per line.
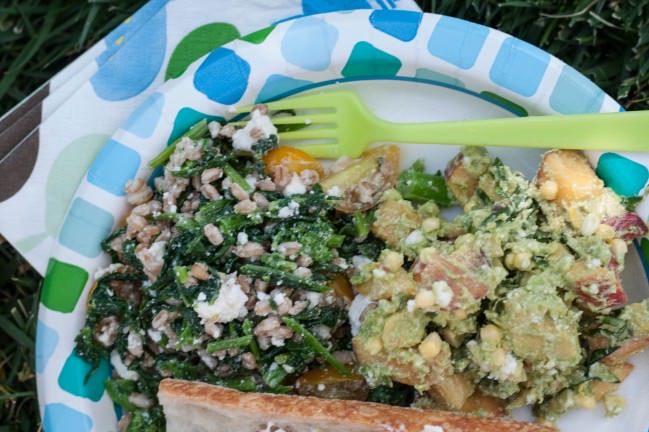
<point>407,67</point>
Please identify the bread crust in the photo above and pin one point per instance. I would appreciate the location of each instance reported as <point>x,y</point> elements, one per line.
<point>220,406</point>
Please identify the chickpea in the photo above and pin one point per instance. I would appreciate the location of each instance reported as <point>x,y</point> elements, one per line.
<point>491,334</point>
<point>549,190</point>
<point>425,299</point>
<point>431,346</point>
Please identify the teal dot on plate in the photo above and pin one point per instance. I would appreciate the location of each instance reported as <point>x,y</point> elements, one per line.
<point>46,341</point>
<point>74,377</point>
<point>135,65</point>
<point>58,417</point>
<point>624,176</point>
<point>223,76</point>
<point>143,120</point>
<point>84,227</point>
<point>309,42</point>
<point>575,94</point>
<point>430,75</point>
<point>400,24</point>
<point>279,85</point>
<point>367,60</point>
<point>114,165</point>
<point>186,118</point>
<point>457,41</point>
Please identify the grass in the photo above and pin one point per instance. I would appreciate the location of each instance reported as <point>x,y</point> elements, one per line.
<point>606,40</point>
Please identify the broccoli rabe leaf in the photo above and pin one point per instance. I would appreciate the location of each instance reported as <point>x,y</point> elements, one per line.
<point>416,185</point>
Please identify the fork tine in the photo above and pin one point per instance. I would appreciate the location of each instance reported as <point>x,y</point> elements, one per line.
<point>306,119</point>
<point>323,151</point>
<point>308,134</point>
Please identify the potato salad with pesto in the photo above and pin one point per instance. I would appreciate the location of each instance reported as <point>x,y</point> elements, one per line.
<point>253,266</point>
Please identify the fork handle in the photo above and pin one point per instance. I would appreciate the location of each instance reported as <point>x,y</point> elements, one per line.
<point>624,131</point>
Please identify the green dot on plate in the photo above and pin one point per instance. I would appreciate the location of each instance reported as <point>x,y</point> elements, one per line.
<point>62,286</point>
<point>259,36</point>
<point>196,44</point>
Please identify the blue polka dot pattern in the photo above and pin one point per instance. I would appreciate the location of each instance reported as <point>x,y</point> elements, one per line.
<point>58,417</point>
<point>85,226</point>
<point>575,94</point>
<point>519,67</point>
<point>427,74</point>
<point>127,28</point>
<point>223,76</point>
<point>457,41</point>
<point>143,120</point>
<point>133,67</point>
<point>309,42</point>
<point>621,174</point>
<point>402,25</point>
<point>48,339</point>
<point>75,380</point>
<point>279,85</point>
<point>113,167</point>
<point>310,7</point>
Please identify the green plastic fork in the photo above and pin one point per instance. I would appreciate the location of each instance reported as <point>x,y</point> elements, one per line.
<point>332,124</point>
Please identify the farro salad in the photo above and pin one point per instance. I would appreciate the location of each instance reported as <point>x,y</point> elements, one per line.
<point>253,266</point>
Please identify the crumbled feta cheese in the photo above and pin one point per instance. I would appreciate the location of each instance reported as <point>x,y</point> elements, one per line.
<point>288,368</point>
<point>262,296</point>
<point>432,428</point>
<point>121,369</point>
<point>242,238</point>
<point>295,186</point>
<point>356,309</point>
<point>108,270</point>
<point>229,305</point>
<point>214,127</point>
<point>134,344</point>
<point>290,210</point>
<point>251,180</point>
<point>313,298</point>
<point>277,341</point>
<point>410,306</point>
<point>335,191</point>
<point>242,139</point>
<point>321,387</point>
<point>510,365</point>
<point>155,335</point>
<point>443,293</point>
<point>322,331</point>
<point>413,238</point>
<point>593,263</point>
<point>279,298</point>
<point>201,297</point>
<point>360,261</point>
<point>378,273</point>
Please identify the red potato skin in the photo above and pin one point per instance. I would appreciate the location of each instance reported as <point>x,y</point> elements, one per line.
<point>609,293</point>
<point>629,226</point>
<point>459,271</point>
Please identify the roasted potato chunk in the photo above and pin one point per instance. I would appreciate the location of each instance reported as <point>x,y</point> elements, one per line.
<point>394,220</point>
<point>572,175</point>
<point>362,183</point>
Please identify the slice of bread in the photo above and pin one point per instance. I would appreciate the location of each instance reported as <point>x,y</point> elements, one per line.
<point>198,407</point>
